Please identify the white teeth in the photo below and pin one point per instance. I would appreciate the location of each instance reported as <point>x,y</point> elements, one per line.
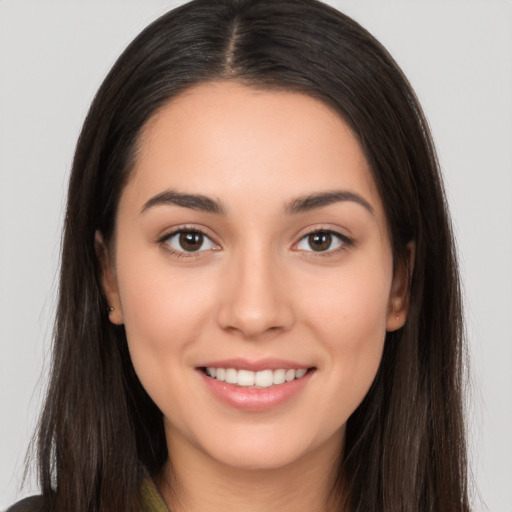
<point>300,373</point>
<point>279,376</point>
<point>290,375</point>
<point>264,379</point>
<point>245,378</point>
<point>261,379</point>
<point>231,376</point>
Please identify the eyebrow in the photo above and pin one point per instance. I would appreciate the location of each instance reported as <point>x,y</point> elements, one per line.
<point>194,201</point>
<point>299,205</point>
<point>321,199</point>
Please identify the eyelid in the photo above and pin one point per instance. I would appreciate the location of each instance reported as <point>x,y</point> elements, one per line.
<point>346,241</point>
<point>187,228</point>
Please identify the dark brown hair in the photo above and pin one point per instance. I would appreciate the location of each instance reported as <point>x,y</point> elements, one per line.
<point>405,446</point>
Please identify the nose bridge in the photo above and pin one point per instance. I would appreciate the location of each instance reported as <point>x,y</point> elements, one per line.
<point>255,299</point>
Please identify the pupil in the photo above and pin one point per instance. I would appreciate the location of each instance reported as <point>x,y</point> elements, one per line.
<point>191,241</point>
<point>320,241</point>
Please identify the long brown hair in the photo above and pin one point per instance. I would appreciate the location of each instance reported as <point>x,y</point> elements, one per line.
<point>405,446</point>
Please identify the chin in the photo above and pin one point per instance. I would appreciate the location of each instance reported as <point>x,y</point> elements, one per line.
<point>258,460</point>
<point>269,450</point>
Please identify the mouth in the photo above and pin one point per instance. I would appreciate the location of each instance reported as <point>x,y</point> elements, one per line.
<point>262,379</point>
<point>255,385</point>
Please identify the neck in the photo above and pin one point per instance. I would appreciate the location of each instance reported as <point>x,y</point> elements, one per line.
<point>194,482</point>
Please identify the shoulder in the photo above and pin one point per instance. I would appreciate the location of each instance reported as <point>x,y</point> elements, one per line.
<point>32,504</point>
<point>152,500</point>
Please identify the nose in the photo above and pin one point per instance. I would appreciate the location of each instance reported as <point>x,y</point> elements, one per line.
<point>255,296</point>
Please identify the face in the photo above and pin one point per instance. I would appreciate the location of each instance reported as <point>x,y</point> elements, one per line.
<point>252,269</point>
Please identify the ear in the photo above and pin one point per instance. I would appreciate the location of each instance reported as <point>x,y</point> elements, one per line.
<point>108,280</point>
<point>398,305</point>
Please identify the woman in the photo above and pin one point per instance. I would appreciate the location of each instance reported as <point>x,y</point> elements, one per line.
<point>259,302</point>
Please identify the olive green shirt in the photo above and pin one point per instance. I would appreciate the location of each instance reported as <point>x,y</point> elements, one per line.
<point>152,501</point>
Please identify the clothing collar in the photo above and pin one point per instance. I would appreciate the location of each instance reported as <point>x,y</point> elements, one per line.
<point>151,499</point>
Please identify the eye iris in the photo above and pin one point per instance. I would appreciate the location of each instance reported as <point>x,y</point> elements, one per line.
<point>191,240</point>
<point>320,241</point>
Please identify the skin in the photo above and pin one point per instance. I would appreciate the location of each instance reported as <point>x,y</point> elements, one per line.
<point>257,290</point>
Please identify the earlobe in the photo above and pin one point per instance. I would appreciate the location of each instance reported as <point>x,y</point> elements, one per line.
<point>108,280</point>
<point>398,305</point>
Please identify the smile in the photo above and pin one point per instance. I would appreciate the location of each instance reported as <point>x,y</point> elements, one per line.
<point>255,386</point>
<point>256,380</point>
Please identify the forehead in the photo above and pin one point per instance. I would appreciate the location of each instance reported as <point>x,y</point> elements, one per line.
<point>225,138</point>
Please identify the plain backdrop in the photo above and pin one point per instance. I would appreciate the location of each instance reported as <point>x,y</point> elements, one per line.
<point>458,56</point>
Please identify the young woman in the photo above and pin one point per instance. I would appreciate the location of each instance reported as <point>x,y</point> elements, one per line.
<point>259,302</point>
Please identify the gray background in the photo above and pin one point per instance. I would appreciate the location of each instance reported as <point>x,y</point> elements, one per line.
<point>458,56</point>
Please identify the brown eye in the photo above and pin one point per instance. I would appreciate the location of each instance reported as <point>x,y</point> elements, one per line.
<point>322,241</point>
<point>189,241</point>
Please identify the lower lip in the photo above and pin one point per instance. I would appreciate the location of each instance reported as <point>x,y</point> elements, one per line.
<point>252,399</point>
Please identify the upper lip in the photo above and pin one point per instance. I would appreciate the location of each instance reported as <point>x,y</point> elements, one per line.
<point>255,365</point>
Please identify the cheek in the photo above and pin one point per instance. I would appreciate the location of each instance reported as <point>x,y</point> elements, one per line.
<point>350,304</point>
<point>161,315</point>
<point>349,320</point>
<point>154,310</point>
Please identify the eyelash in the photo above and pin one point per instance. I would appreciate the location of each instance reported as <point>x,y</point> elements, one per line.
<point>164,242</point>
<point>344,241</point>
